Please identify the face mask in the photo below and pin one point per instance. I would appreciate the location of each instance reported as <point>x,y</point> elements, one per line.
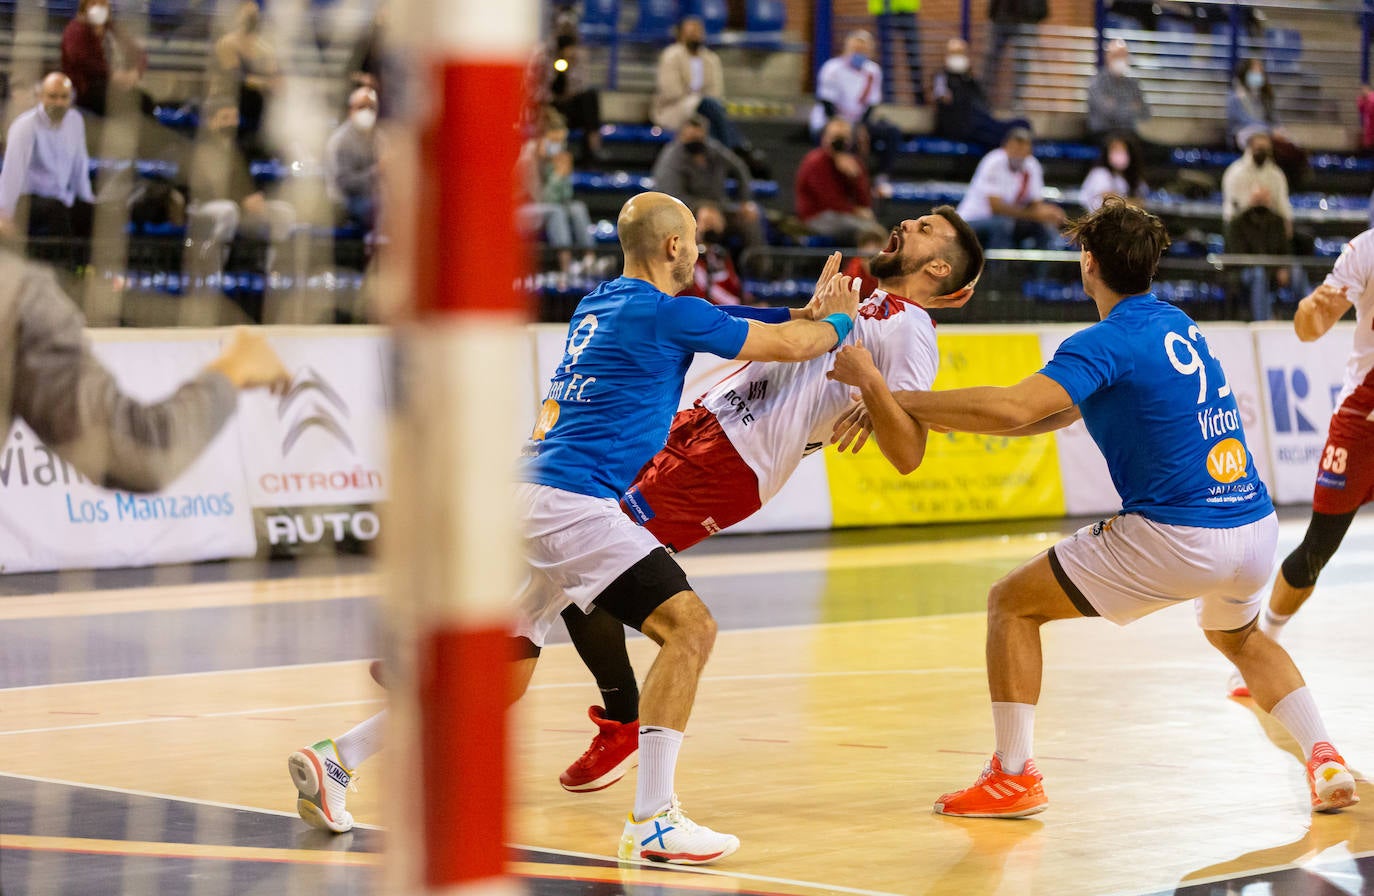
<point>1119,67</point>
<point>711,237</point>
<point>1261,156</point>
<point>857,60</point>
<point>1254,80</point>
<point>1120,160</point>
<point>98,15</point>
<point>957,64</point>
<point>364,119</point>
<point>692,45</point>
<point>695,147</point>
<point>839,144</point>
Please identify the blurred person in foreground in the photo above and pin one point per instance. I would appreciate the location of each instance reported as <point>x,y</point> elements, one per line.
<point>55,384</point>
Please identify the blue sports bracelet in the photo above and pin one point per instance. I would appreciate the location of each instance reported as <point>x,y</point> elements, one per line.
<point>842,323</point>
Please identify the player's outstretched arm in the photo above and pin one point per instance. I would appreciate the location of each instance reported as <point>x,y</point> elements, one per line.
<point>75,406</point>
<point>1318,312</point>
<point>992,410</point>
<point>801,340</point>
<point>901,439</point>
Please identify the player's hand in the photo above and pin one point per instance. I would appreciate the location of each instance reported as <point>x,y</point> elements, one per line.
<point>828,273</point>
<point>839,296</point>
<point>1330,299</point>
<point>849,165</point>
<point>250,363</point>
<point>852,428</point>
<point>854,367</point>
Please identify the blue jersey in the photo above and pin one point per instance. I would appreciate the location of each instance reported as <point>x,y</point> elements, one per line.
<point>1158,406</point>
<point>612,398</point>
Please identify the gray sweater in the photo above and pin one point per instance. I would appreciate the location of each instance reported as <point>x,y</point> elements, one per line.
<point>51,380</point>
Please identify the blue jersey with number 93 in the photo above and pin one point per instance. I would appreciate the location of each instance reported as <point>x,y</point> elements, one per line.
<point>1158,406</point>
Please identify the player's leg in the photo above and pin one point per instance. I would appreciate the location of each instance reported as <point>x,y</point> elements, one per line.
<point>1297,577</point>
<point>1278,688</point>
<point>1018,605</point>
<point>600,641</point>
<point>655,597</point>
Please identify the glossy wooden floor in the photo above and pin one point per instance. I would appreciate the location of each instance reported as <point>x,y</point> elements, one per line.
<point>846,693</point>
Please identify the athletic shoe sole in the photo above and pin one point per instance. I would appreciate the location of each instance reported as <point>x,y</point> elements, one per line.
<point>1022,813</point>
<point>663,858</point>
<point>606,780</point>
<point>306,774</point>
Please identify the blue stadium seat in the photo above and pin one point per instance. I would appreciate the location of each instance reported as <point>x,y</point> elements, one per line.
<point>1284,49</point>
<point>713,14</point>
<point>764,21</point>
<point>600,20</point>
<point>634,133</point>
<point>657,19</point>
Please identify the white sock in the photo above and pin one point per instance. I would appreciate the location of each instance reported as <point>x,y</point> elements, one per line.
<point>1298,713</point>
<point>1014,725</point>
<point>658,749</point>
<point>1272,623</point>
<point>361,741</point>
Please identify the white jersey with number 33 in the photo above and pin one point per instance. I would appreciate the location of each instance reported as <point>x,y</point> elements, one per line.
<point>1355,271</point>
<point>776,413</point>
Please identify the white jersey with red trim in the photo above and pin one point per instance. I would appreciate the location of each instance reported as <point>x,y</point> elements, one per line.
<point>776,413</point>
<point>1355,271</point>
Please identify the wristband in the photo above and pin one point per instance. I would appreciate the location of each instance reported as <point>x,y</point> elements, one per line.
<point>842,323</point>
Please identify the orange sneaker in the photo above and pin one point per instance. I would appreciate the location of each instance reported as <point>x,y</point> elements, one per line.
<point>997,794</point>
<point>1332,784</point>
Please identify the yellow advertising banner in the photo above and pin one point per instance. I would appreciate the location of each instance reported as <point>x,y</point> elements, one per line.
<point>963,477</point>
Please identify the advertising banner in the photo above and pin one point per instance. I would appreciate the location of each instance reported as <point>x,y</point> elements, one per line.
<point>53,518</point>
<point>315,457</point>
<point>963,477</point>
<point>1300,381</point>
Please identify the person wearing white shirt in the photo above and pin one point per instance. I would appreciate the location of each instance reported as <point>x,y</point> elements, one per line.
<point>45,180</point>
<point>1258,216</point>
<point>850,86</point>
<point>1117,172</point>
<point>1005,202</point>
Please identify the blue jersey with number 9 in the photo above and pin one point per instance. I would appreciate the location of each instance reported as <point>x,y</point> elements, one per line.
<point>1158,406</point>
<point>611,399</point>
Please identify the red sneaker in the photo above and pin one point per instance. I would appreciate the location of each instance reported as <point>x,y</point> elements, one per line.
<point>1332,784</point>
<point>997,794</point>
<point>606,761</point>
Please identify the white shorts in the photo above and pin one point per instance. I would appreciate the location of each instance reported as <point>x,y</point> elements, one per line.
<point>1127,567</point>
<point>575,546</point>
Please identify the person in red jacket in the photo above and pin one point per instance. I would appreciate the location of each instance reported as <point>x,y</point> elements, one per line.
<point>832,193</point>
<point>104,63</point>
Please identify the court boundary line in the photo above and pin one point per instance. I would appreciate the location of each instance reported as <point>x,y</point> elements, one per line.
<point>227,714</point>
<point>161,675</point>
<point>1220,878</point>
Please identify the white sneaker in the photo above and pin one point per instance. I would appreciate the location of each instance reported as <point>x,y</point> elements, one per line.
<point>323,784</point>
<point>672,837</point>
<point>1236,686</point>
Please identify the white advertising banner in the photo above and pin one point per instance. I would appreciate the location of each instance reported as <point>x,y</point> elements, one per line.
<point>52,518</point>
<point>315,457</point>
<point>1301,381</point>
<point>1088,488</point>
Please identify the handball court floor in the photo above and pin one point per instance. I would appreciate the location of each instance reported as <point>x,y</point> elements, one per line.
<point>145,719</point>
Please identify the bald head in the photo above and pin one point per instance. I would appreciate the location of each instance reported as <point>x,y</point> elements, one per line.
<point>55,94</point>
<point>648,221</point>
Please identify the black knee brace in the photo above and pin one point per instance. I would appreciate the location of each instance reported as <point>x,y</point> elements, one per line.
<point>1324,534</point>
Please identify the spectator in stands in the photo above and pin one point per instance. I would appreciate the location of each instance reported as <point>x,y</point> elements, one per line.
<point>45,181</point>
<point>833,198</point>
<point>695,168</point>
<point>1250,105</point>
<point>103,61</point>
<point>962,111</point>
<point>1258,218</point>
<point>224,197</point>
<point>1116,104</point>
<point>244,66</point>
<point>350,161</point>
<point>1007,19</point>
<point>850,86</point>
<point>1118,172</point>
<point>897,23</point>
<point>1005,202</point>
<point>545,169</point>
<point>558,76</point>
<point>714,277</point>
<point>870,243</point>
<point>691,81</point>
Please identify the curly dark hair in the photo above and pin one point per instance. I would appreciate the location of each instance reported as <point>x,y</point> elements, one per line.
<point>1127,242</point>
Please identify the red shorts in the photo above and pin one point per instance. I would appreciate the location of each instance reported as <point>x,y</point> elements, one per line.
<point>695,487</point>
<point>1345,479</point>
